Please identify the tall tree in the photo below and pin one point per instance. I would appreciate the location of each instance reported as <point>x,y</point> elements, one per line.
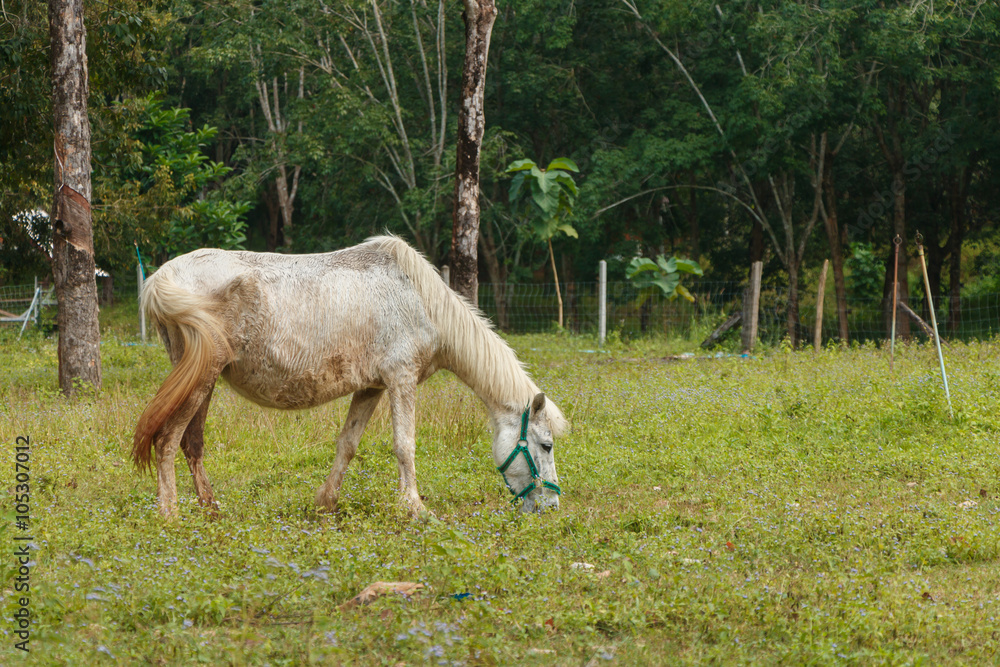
<point>280,231</point>
<point>72,229</point>
<point>479,17</point>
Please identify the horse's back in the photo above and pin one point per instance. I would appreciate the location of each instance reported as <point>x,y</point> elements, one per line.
<point>306,329</point>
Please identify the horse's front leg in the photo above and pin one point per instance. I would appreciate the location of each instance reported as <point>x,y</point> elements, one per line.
<point>403,400</point>
<point>362,406</point>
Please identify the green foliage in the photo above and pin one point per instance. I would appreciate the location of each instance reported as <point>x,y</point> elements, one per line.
<point>663,275</point>
<point>208,224</point>
<point>865,272</point>
<point>175,165</point>
<point>373,131</point>
<point>549,194</point>
<point>158,188</point>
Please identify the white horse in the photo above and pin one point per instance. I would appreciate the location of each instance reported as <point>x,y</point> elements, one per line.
<point>296,331</point>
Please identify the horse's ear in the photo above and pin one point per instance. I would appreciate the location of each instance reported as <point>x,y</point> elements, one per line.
<point>537,403</point>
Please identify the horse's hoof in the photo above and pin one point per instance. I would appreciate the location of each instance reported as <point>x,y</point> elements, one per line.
<point>326,508</point>
<point>325,504</point>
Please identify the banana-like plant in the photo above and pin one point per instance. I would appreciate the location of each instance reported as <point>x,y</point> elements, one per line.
<point>663,275</point>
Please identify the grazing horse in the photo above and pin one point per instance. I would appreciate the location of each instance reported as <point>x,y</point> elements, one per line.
<point>296,331</point>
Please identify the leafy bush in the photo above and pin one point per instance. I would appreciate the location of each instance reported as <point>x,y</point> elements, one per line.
<point>865,272</point>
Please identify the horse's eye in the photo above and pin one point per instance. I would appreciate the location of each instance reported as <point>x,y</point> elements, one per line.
<point>547,446</point>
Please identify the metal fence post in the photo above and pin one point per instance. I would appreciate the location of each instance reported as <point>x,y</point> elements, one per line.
<point>602,302</point>
<point>142,314</point>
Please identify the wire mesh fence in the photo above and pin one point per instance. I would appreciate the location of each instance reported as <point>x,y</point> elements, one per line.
<point>16,298</point>
<point>534,308</point>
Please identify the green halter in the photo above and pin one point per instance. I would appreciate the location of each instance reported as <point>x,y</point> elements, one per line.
<point>522,448</point>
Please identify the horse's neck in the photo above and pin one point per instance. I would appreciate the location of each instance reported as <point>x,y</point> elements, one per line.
<point>502,389</point>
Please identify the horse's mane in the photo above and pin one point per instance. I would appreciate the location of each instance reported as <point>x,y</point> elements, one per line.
<point>471,348</point>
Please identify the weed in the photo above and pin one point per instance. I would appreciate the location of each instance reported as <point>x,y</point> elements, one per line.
<point>791,508</point>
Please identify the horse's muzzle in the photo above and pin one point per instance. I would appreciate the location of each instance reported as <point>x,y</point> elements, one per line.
<point>541,501</point>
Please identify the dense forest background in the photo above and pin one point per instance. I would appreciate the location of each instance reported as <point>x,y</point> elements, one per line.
<point>729,132</point>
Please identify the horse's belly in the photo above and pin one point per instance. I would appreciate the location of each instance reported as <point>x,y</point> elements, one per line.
<point>293,388</point>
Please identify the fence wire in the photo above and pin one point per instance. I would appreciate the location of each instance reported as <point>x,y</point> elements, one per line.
<point>16,298</point>
<point>534,308</point>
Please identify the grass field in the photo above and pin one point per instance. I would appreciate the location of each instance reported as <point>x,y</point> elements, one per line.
<point>790,509</point>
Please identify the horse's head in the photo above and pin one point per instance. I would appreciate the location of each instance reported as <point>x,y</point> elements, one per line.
<point>523,448</point>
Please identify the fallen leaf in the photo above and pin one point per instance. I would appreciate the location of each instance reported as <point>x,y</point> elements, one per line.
<point>730,546</point>
<point>378,589</point>
<point>604,575</point>
<point>982,493</point>
<point>927,596</point>
<point>551,623</point>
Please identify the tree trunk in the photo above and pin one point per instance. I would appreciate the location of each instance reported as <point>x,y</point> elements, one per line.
<point>694,230</point>
<point>792,314</point>
<point>72,228</point>
<point>645,310</point>
<point>273,217</point>
<point>555,276</point>
<point>935,266</point>
<point>572,314</point>
<point>756,242</point>
<point>898,227</point>
<point>286,202</point>
<point>497,276</point>
<point>479,17</point>
<point>836,250</point>
<point>107,297</point>
<point>892,148</point>
<point>956,209</point>
<point>277,125</point>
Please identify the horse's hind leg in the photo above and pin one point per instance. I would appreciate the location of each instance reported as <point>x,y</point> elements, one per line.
<point>168,441</point>
<point>193,445</point>
<point>362,406</point>
<point>184,428</point>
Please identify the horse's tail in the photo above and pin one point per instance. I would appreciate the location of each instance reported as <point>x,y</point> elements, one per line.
<point>174,310</point>
<point>475,352</point>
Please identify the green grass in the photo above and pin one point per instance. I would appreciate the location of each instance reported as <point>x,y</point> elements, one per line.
<point>787,509</point>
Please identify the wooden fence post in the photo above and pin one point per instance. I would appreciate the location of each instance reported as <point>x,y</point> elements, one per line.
<point>751,307</point>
